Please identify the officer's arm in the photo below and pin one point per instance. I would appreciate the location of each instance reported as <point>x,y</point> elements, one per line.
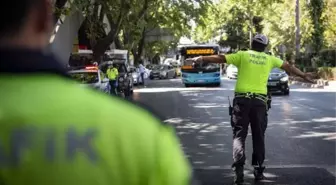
<point>292,70</point>
<point>172,167</point>
<point>219,59</point>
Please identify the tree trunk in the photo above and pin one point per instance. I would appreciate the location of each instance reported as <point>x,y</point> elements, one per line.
<point>297,29</point>
<point>104,43</point>
<point>250,22</point>
<point>137,52</point>
<point>117,43</point>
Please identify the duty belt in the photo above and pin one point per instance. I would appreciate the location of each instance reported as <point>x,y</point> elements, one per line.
<point>250,95</point>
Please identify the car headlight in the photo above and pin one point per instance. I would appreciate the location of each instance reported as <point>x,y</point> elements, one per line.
<point>135,76</point>
<point>284,79</point>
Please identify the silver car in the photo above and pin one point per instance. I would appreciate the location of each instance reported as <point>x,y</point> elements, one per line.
<point>163,72</point>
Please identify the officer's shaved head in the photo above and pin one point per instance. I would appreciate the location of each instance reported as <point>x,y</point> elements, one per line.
<point>31,19</point>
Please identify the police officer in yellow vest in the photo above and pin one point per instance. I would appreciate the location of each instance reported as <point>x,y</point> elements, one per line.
<point>52,131</point>
<point>112,75</point>
<point>250,102</point>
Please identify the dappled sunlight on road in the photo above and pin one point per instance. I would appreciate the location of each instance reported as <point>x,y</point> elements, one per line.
<point>172,89</point>
<point>208,105</point>
<point>312,90</point>
<point>325,136</point>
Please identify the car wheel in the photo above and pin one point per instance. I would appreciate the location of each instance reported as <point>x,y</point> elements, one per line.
<point>127,93</point>
<point>217,84</point>
<point>286,92</point>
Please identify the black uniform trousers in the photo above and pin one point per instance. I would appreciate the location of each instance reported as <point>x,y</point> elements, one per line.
<point>248,111</point>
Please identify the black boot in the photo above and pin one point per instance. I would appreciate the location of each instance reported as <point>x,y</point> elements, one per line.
<point>239,175</point>
<point>259,173</point>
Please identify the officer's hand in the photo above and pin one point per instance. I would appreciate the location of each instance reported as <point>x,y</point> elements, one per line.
<point>308,78</point>
<point>196,59</point>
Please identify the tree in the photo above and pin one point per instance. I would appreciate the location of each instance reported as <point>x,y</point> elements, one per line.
<point>316,9</point>
<point>329,23</point>
<point>170,15</point>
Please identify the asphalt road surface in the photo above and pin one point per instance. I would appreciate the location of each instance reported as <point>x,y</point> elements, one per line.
<point>300,138</point>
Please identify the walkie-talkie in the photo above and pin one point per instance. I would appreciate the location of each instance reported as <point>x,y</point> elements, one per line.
<point>230,107</point>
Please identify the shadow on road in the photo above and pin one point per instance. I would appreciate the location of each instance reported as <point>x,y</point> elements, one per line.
<point>301,131</point>
<point>275,176</point>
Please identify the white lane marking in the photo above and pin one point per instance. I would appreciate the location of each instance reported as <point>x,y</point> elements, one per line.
<point>330,168</point>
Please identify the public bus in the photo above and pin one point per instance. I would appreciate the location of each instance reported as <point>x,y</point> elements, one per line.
<point>201,74</point>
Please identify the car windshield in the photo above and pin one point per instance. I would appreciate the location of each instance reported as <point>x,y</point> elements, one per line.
<point>277,70</point>
<point>132,69</point>
<point>210,66</point>
<point>85,77</point>
<point>159,67</point>
<point>121,68</point>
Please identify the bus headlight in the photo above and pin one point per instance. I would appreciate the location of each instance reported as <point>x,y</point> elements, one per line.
<point>284,79</point>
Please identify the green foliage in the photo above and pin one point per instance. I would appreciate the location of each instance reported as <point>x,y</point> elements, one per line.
<point>326,72</point>
<point>230,22</point>
<point>316,8</point>
<point>328,57</point>
<point>173,15</point>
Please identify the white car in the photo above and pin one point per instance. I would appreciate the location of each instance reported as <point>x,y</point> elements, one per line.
<point>232,72</point>
<point>91,77</point>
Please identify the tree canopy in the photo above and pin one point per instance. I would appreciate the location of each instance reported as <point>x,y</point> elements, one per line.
<point>230,23</point>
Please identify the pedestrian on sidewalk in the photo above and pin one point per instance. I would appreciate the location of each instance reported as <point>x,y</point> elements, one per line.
<point>142,71</point>
<point>250,102</point>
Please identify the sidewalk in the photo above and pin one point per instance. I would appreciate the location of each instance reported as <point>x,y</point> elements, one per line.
<point>320,83</point>
<point>331,85</point>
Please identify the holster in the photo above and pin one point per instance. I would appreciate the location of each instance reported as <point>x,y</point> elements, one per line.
<point>230,110</point>
<point>269,101</point>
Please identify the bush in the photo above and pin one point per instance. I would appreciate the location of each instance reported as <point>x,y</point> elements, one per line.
<point>327,73</point>
<point>327,58</point>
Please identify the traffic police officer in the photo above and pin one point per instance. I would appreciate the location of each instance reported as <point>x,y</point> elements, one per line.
<point>112,74</point>
<point>57,133</point>
<point>250,102</point>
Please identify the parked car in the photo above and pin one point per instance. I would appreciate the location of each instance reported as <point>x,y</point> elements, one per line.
<point>90,76</point>
<point>232,71</point>
<point>163,72</point>
<point>278,81</point>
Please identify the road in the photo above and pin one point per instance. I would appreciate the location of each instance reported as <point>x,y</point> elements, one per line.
<point>300,138</point>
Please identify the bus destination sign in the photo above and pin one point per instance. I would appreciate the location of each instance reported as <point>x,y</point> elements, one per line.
<point>201,51</point>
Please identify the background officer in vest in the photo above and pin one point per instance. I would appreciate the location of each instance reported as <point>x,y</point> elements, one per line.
<point>52,131</point>
<point>250,102</point>
<point>112,75</point>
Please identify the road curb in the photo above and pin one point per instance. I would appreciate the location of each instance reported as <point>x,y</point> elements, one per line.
<point>320,84</point>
